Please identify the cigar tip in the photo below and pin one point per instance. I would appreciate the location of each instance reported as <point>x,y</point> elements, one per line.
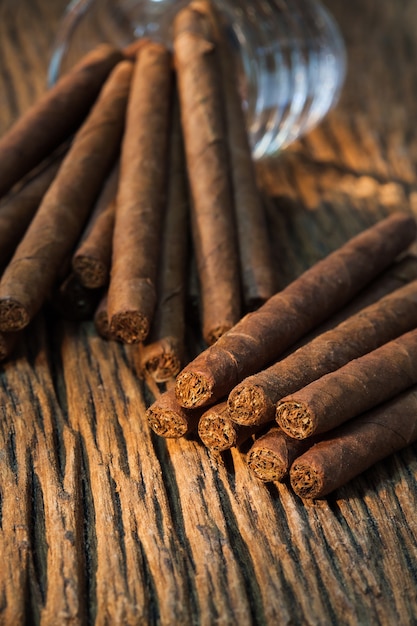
<point>163,368</point>
<point>192,389</point>
<point>13,315</point>
<point>129,327</point>
<point>166,422</point>
<point>295,419</point>
<point>92,273</point>
<point>162,359</point>
<point>245,404</point>
<point>217,433</point>
<point>266,465</point>
<point>305,480</point>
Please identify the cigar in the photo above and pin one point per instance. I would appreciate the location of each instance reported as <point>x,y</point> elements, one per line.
<point>140,199</point>
<point>217,431</point>
<point>354,388</point>
<point>64,210</point>
<point>74,301</point>
<point>205,138</point>
<point>19,207</point>
<point>168,419</point>
<point>92,259</point>
<point>352,448</point>
<point>253,401</point>
<point>262,336</point>
<point>163,356</point>
<point>272,455</point>
<point>55,117</point>
<point>256,268</point>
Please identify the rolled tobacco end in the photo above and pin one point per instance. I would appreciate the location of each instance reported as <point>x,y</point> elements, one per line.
<point>354,447</point>
<point>163,356</point>
<point>18,208</point>
<point>63,212</point>
<point>217,431</point>
<point>253,401</point>
<point>55,117</point>
<point>92,258</point>
<point>358,386</point>
<point>272,455</point>
<point>205,139</point>
<point>170,420</point>
<point>256,268</point>
<point>75,301</point>
<point>140,197</point>
<point>260,337</point>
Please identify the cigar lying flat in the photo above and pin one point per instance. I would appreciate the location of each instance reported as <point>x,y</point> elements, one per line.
<point>140,199</point>
<point>354,447</point>
<point>65,207</point>
<point>55,117</point>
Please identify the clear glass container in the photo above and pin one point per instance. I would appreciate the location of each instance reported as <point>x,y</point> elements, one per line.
<point>290,55</point>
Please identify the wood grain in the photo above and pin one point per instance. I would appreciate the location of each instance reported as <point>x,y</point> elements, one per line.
<point>104,523</point>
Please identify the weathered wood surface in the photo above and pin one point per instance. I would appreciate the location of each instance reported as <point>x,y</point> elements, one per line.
<point>102,522</point>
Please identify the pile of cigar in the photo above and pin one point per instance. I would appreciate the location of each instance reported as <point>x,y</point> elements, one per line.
<point>321,380</point>
<point>136,161</point>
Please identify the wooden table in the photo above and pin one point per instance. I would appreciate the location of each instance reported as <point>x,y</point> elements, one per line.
<point>104,523</point>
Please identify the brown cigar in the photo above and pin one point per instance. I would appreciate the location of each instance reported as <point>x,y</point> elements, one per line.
<point>257,272</point>
<point>205,138</point>
<point>18,208</point>
<point>55,117</point>
<point>354,447</point>
<point>356,387</point>
<point>163,356</point>
<point>64,210</point>
<point>92,259</point>
<point>140,199</point>
<point>272,455</point>
<point>168,419</point>
<point>217,431</point>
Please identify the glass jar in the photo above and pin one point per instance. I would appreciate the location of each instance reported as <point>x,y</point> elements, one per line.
<point>290,55</point>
